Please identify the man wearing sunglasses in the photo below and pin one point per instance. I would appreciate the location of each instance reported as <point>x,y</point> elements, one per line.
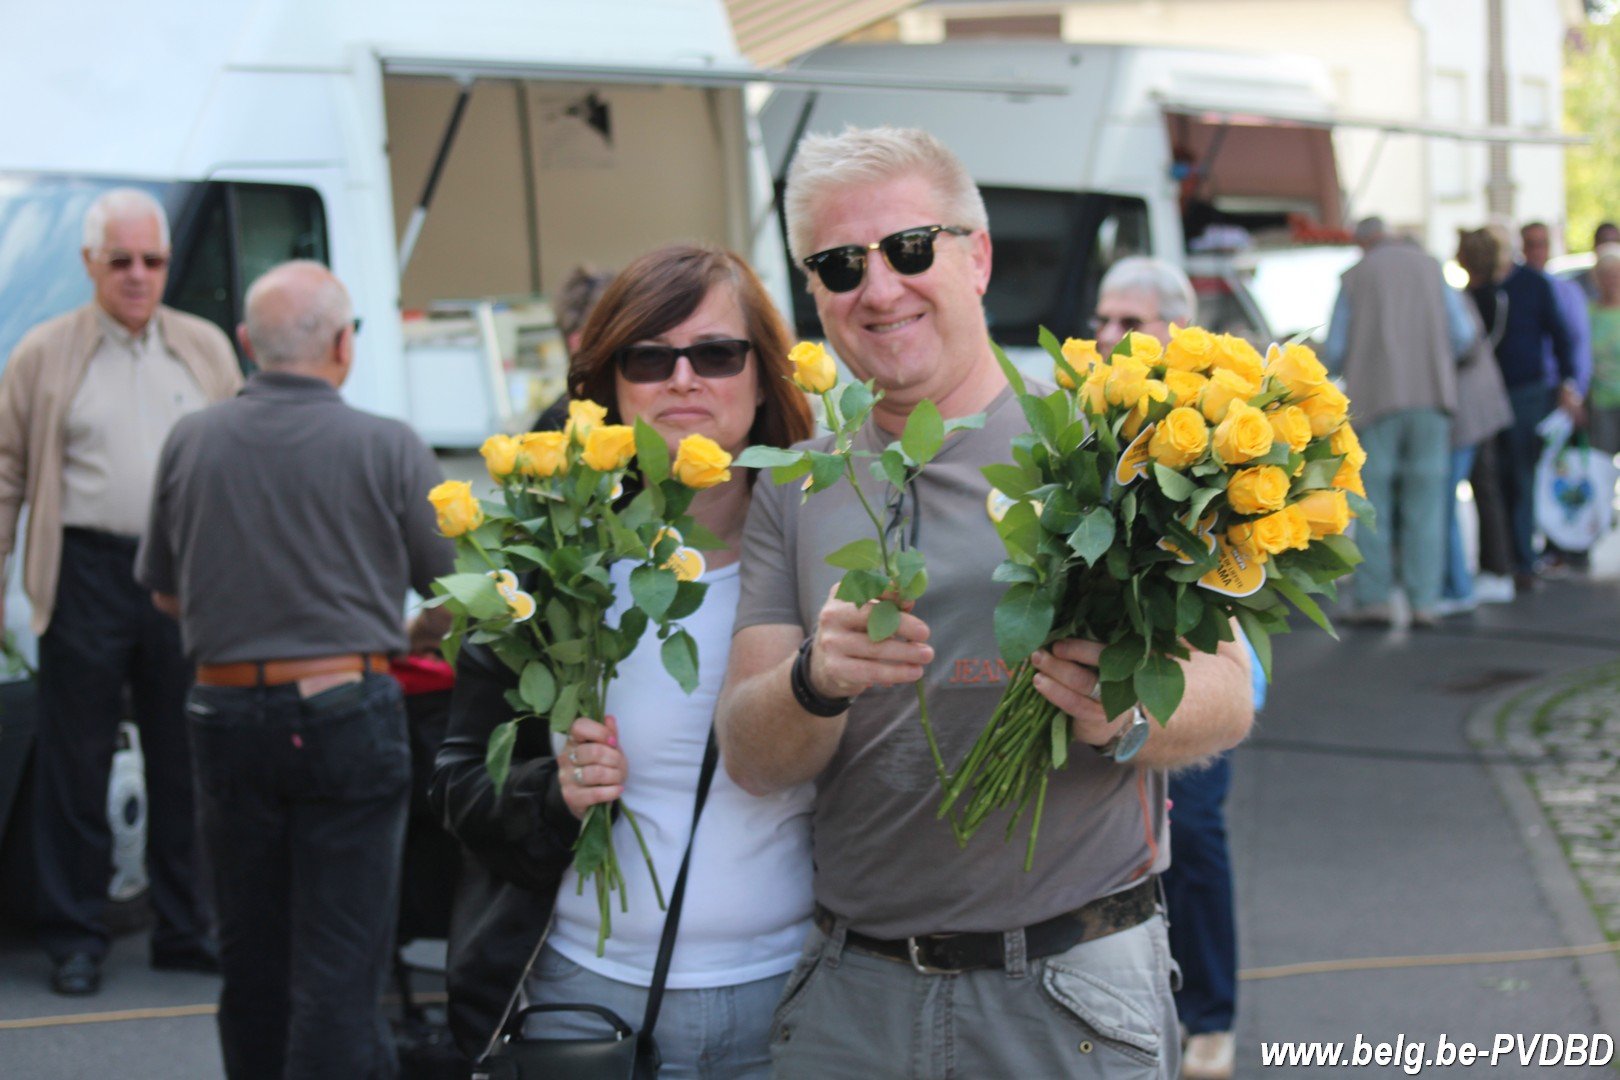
<point>86,401</point>
<point>1063,971</point>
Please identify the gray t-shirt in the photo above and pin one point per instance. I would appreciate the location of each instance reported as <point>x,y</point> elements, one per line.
<point>291,525</point>
<point>882,857</point>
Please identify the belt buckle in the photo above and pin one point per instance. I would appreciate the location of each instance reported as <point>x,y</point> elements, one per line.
<point>921,968</point>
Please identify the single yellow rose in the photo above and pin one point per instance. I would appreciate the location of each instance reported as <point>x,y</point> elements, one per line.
<point>813,370</point>
<point>1094,391</point>
<point>1258,490</point>
<point>1346,443</point>
<point>1190,349</point>
<point>1290,425</point>
<point>583,417</point>
<point>1129,383</point>
<point>457,510</point>
<point>1233,353</point>
<point>500,456</point>
<point>1243,435</point>
<point>1180,439</point>
<point>609,447</point>
<point>1297,368</point>
<point>1080,355</point>
<point>1184,386</point>
<point>1274,533</point>
<point>1242,537</point>
<point>1327,408</point>
<point>1326,512</point>
<point>1349,478</point>
<point>700,463</point>
<point>1224,387</point>
<point>1299,527</point>
<point>1144,348</point>
<point>543,453</point>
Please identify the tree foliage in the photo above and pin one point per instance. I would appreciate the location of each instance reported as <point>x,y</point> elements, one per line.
<point>1592,106</point>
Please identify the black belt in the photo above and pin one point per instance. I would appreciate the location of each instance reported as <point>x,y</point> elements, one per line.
<point>940,954</point>
<point>98,538</point>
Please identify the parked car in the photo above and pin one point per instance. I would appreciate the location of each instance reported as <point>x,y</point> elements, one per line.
<point>1273,294</point>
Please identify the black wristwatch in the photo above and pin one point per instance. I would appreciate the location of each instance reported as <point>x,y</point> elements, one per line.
<point>809,698</point>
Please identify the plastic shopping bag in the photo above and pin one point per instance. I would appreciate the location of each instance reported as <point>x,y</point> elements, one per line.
<point>1574,487</point>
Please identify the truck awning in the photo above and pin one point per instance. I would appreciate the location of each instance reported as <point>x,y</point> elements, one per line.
<point>733,75</point>
<point>1459,132</point>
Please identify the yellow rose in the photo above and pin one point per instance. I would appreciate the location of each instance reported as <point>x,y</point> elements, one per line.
<point>1349,478</point>
<point>1290,425</point>
<point>1235,354</point>
<point>1094,392</point>
<point>1243,435</point>
<point>1080,355</point>
<point>1179,439</point>
<point>500,456</point>
<point>1242,537</point>
<point>1347,444</point>
<point>609,447</point>
<point>1326,512</point>
<point>1225,386</point>
<point>1144,348</point>
<point>1299,527</point>
<point>543,453</point>
<point>700,463</point>
<point>1258,490</point>
<point>1191,349</point>
<point>1136,419</point>
<point>1327,408</point>
<point>1297,368</point>
<point>1129,383</point>
<point>1184,386</point>
<point>457,510</point>
<point>1274,533</point>
<point>813,370</point>
<point>583,416</point>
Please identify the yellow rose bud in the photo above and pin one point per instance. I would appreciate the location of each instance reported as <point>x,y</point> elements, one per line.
<point>1290,425</point>
<point>700,463</point>
<point>1144,348</point>
<point>609,447</point>
<point>1180,438</point>
<point>1184,386</point>
<point>1080,355</point>
<point>1327,408</point>
<point>1233,353</point>
<point>583,416</point>
<point>813,370</point>
<point>1243,435</point>
<point>457,510</point>
<point>1347,444</point>
<point>1242,537</point>
<point>500,456</point>
<point>543,453</point>
<point>1326,512</point>
<point>1192,349</point>
<point>1349,478</point>
<point>1127,381</point>
<point>1274,533</point>
<point>1224,387</point>
<point>1259,490</point>
<point>1297,368</point>
<point>1093,392</point>
<point>1299,527</point>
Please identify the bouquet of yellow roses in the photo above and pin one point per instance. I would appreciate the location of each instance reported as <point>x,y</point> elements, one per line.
<point>1161,493</point>
<point>532,582</point>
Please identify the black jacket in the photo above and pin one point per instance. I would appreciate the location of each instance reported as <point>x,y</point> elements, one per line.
<point>518,845</point>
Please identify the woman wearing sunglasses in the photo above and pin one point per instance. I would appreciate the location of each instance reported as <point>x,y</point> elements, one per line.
<point>686,339</point>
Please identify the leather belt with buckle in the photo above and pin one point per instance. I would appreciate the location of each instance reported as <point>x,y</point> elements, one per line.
<point>281,672</point>
<point>945,954</point>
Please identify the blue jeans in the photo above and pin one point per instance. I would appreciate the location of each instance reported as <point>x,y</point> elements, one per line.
<point>303,807</point>
<point>1408,460</point>
<point>717,1033</point>
<point>1459,583</point>
<point>1518,449</point>
<point>1198,896</point>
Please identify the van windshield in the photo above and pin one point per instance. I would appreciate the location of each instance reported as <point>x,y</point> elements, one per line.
<point>41,220</point>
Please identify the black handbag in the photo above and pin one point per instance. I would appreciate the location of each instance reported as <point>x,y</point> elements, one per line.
<point>620,1053</point>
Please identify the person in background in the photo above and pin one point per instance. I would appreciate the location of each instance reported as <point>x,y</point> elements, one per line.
<point>1482,412</point>
<point>1606,233</point>
<point>686,339</point>
<point>290,603</point>
<point>1604,409</point>
<point>1396,333</point>
<point>85,403</point>
<point>573,305</point>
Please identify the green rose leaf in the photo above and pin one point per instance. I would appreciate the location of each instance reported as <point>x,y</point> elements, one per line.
<point>574,651</point>
<point>863,554</point>
<point>566,710</point>
<point>1061,735</point>
<point>1173,484</point>
<point>1344,547</point>
<point>965,423</point>
<point>680,657</point>
<point>860,587</point>
<point>854,403</point>
<point>924,433</point>
<point>786,474</point>
<point>1094,535</point>
<point>1060,513</point>
<point>537,687</point>
<point>1010,480</point>
<point>1259,637</point>
<point>476,593</point>
<point>652,453</point>
<point>826,469</point>
<point>767,457</point>
<point>1159,683</point>
<point>688,598</point>
<point>1120,660</point>
<point>910,565</point>
<point>1009,369</point>
<point>1366,516</point>
<point>632,624</point>
<point>883,621</point>
<point>891,467</point>
<point>498,753</point>
<point>653,589</point>
<point>1023,620</point>
<point>1317,475</point>
<point>1189,610</point>
<point>1008,572</point>
<point>1304,603</point>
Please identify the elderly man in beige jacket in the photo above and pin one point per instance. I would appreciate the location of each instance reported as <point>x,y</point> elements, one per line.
<point>86,401</point>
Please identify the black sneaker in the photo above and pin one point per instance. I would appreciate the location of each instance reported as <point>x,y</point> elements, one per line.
<point>77,976</point>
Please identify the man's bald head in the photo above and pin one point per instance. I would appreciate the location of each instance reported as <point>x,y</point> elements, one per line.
<point>296,314</point>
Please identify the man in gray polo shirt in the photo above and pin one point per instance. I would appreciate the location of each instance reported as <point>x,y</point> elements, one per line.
<point>286,528</point>
<point>927,960</point>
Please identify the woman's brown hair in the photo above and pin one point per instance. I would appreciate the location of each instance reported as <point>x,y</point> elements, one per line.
<point>659,291</point>
<point>1479,253</point>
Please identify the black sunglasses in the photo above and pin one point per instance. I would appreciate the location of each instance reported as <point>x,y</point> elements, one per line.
<point>1130,323</point>
<point>123,261</point>
<point>909,252</point>
<point>719,359</point>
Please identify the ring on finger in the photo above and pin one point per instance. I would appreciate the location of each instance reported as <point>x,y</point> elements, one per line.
<point>573,757</point>
<point>1095,693</point>
<point>579,775</point>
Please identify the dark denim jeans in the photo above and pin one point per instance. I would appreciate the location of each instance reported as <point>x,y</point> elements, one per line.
<point>1198,894</point>
<point>303,806</point>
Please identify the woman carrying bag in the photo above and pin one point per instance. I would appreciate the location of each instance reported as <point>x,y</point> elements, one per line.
<point>686,339</point>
